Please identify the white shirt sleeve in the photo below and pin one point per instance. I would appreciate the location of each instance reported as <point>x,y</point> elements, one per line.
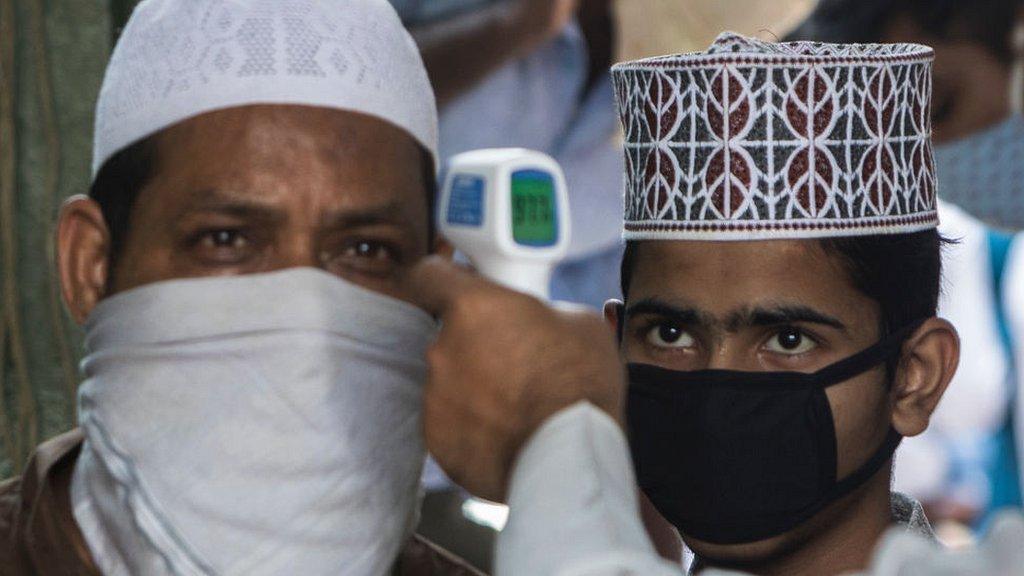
<point>573,504</point>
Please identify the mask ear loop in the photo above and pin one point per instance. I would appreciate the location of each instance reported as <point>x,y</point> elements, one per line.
<point>1017,69</point>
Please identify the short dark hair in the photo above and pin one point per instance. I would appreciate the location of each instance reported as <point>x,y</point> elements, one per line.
<point>117,185</point>
<point>122,177</point>
<point>901,272</point>
<point>987,22</point>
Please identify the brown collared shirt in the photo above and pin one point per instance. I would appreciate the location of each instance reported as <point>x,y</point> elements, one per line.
<point>39,537</point>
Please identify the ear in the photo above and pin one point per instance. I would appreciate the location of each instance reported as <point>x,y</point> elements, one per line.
<point>929,361</point>
<point>443,248</point>
<point>83,255</point>
<point>614,317</point>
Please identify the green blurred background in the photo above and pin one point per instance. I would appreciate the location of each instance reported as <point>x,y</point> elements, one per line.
<point>52,55</point>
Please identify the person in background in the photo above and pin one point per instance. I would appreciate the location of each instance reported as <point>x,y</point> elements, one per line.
<point>263,181</point>
<point>1014,306</point>
<point>534,74</point>
<point>979,89</point>
<point>964,466</point>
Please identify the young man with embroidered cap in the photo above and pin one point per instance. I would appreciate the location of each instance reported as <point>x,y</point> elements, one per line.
<point>263,180</point>
<point>781,280</point>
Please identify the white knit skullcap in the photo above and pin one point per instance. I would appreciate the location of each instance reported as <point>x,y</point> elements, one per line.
<point>177,59</point>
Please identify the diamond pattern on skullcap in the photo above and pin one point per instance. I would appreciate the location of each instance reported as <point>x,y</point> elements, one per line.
<point>758,140</point>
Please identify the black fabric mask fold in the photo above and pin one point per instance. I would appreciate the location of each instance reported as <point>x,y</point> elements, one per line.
<point>733,457</point>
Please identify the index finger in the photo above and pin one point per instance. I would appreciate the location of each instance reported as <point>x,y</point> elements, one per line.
<point>436,283</point>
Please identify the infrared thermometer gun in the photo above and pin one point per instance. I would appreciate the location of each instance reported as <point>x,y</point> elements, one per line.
<point>507,210</point>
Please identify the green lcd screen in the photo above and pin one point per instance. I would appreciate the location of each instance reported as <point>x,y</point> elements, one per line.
<point>534,215</point>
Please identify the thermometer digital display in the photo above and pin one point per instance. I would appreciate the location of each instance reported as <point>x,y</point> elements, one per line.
<point>534,220</point>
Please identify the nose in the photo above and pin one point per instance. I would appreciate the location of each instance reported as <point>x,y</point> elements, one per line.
<point>726,353</point>
<point>298,249</point>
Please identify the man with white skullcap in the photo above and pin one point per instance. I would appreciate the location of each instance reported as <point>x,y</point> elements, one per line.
<point>262,183</point>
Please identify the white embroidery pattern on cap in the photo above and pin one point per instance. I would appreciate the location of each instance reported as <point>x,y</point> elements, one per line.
<point>789,140</point>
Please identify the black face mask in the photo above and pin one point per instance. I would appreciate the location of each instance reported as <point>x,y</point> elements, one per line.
<point>735,457</point>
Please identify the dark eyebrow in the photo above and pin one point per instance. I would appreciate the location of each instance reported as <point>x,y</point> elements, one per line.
<point>679,314</point>
<point>783,315</point>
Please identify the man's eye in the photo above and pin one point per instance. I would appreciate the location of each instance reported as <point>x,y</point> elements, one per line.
<point>669,336</point>
<point>369,250</point>
<point>790,341</point>
<point>233,239</point>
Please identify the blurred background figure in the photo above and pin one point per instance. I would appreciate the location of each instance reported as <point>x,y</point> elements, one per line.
<point>655,27</point>
<point>1015,313</point>
<point>965,466</point>
<point>979,89</point>
<point>534,74</point>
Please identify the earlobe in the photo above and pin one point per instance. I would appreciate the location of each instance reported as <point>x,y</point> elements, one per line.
<point>83,255</point>
<point>929,361</point>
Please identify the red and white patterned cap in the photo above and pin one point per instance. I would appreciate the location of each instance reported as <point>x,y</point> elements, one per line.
<point>754,140</point>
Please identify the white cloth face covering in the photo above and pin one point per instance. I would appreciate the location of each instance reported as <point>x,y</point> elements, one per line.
<point>261,424</point>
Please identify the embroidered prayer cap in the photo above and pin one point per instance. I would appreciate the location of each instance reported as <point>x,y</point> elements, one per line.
<point>177,59</point>
<point>755,140</point>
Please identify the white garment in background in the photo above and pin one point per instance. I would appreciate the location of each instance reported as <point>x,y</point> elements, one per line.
<point>259,424</point>
<point>974,406</point>
<point>574,512</point>
<point>539,102</point>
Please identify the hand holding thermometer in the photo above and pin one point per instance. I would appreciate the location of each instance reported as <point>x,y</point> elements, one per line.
<point>507,210</point>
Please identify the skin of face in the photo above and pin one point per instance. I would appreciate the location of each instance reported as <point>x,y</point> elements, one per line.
<point>773,306</point>
<point>971,86</point>
<point>258,189</point>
